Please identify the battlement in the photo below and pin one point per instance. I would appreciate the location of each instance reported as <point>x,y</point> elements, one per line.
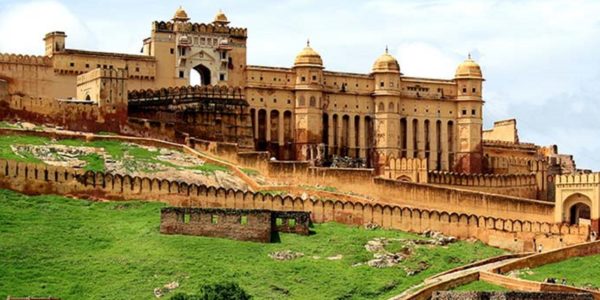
<point>593,178</point>
<point>509,144</point>
<point>482,180</point>
<point>514,165</point>
<point>221,92</point>
<point>25,59</point>
<point>161,26</point>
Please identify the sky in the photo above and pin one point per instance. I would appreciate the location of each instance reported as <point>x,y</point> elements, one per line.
<point>539,58</point>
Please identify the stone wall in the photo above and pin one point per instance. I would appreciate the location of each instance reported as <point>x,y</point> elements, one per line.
<point>517,185</point>
<point>242,224</point>
<point>553,256</point>
<point>513,234</point>
<point>449,295</point>
<point>406,169</point>
<point>215,113</point>
<point>77,116</point>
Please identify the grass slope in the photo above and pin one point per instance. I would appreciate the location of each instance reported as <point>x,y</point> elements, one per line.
<point>578,271</point>
<point>135,158</point>
<point>74,249</point>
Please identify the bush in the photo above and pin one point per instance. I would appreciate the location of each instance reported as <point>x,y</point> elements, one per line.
<point>223,291</point>
<point>217,291</point>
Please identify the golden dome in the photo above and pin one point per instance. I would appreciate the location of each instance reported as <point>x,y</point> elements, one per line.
<point>386,63</point>
<point>180,15</point>
<point>468,69</point>
<point>308,57</point>
<point>221,18</point>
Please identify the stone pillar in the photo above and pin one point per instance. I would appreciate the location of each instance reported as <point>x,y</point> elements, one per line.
<point>409,138</point>
<point>268,126</point>
<point>340,124</point>
<point>281,137</point>
<point>331,134</point>
<point>433,147</point>
<point>362,138</point>
<point>280,130</point>
<point>421,138</point>
<point>351,138</point>
<point>256,123</point>
<point>444,142</point>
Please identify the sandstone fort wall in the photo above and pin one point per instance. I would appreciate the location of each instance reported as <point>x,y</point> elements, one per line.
<point>518,185</point>
<point>513,234</point>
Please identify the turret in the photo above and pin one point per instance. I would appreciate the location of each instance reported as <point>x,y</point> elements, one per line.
<point>386,74</point>
<point>55,42</point>
<point>221,19</point>
<point>308,88</point>
<point>469,81</point>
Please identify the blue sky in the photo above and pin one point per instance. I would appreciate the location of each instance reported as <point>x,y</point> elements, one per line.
<point>540,58</point>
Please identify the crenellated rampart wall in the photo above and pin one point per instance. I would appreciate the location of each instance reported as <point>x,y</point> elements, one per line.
<point>517,185</point>
<point>513,234</point>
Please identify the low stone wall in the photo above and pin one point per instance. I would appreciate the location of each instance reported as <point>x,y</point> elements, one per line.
<point>426,293</point>
<point>515,235</point>
<point>448,295</point>
<point>244,225</point>
<point>533,286</point>
<point>586,249</point>
<point>297,222</point>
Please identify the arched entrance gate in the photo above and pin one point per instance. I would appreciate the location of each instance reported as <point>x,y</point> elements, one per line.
<point>577,200</point>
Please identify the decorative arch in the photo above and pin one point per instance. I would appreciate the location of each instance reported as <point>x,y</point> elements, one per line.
<point>577,209</point>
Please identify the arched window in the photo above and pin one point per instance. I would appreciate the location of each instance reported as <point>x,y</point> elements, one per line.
<point>313,101</point>
<point>391,107</point>
<point>380,107</point>
<point>301,101</point>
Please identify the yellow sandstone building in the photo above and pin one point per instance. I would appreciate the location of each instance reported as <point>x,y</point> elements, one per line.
<point>301,112</point>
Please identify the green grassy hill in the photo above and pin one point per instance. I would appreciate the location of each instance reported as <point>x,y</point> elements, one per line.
<point>75,249</point>
<point>578,271</point>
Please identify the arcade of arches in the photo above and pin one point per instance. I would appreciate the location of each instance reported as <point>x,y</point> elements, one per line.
<point>353,136</point>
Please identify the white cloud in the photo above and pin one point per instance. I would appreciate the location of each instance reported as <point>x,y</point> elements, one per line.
<point>23,26</point>
<point>425,60</point>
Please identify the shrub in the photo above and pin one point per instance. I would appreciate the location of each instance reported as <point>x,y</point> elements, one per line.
<point>217,291</point>
<point>223,291</point>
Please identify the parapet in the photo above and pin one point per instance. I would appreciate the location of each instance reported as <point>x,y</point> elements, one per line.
<point>593,178</point>
<point>161,26</point>
<point>25,59</point>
